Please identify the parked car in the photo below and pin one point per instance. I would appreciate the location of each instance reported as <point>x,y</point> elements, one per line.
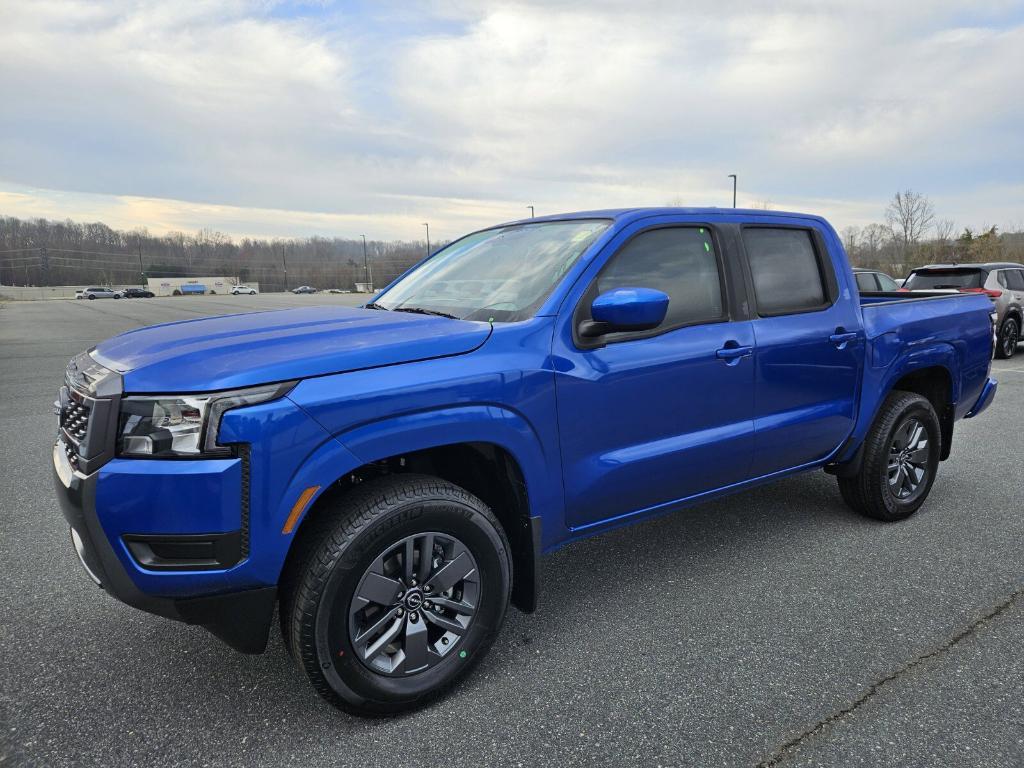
<point>390,476</point>
<point>873,281</point>
<point>1002,282</point>
<point>238,289</point>
<point>136,293</point>
<point>99,293</point>
<point>339,290</point>
<point>304,289</point>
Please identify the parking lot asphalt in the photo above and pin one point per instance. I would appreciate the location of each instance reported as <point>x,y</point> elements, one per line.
<point>774,627</point>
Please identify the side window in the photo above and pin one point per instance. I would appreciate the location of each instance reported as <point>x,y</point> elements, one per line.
<point>1015,277</point>
<point>680,261</point>
<point>866,281</point>
<point>887,283</point>
<point>786,271</point>
<point>1003,277</point>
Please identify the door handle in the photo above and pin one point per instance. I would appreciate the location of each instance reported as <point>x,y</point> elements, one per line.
<point>732,355</point>
<point>841,338</point>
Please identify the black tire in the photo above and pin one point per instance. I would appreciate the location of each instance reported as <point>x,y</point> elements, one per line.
<point>871,492</point>
<point>252,293</point>
<point>91,297</point>
<point>333,555</point>
<point>1009,337</point>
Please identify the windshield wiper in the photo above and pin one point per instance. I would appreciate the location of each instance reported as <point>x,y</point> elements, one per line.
<point>371,305</point>
<point>424,311</point>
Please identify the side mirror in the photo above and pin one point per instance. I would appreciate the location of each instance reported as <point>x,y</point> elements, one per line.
<point>625,309</point>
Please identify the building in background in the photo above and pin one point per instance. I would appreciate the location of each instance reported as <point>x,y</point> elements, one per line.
<point>166,286</point>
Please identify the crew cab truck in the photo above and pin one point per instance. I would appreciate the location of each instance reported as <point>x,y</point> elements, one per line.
<point>390,475</point>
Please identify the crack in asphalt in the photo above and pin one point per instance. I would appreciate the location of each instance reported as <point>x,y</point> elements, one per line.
<point>784,750</point>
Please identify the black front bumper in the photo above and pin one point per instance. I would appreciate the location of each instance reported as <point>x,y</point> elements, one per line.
<point>241,619</point>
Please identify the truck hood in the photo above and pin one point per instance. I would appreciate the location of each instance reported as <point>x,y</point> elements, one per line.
<point>245,350</point>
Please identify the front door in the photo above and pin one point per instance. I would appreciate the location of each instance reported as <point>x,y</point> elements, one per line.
<point>649,418</point>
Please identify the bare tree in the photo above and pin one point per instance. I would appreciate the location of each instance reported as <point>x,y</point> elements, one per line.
<point>909,215</point>
<point>944,229</point>
<point>851,241</point>
<point>873,238</point>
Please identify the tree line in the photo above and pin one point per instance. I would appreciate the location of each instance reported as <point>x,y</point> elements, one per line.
<point>45,252</point>
<point>912,235</point>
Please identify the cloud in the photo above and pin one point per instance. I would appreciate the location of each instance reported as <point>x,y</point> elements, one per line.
<point>315,116</point>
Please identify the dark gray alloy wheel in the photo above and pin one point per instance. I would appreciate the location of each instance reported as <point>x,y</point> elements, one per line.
<point>395,589</point>
<point>899,462</point>
<point>1009,338</point>
<point>908,459</point>
<point>414,603</point>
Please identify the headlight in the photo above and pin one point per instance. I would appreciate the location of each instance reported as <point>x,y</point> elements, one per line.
<point>175,426</point>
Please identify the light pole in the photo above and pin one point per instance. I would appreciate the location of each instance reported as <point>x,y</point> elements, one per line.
<point>142,271</point>
<point>531,210</point>
<point>284,264</point>
<point>733,177</point>
<point>366,263</point>
<point>427,225</point>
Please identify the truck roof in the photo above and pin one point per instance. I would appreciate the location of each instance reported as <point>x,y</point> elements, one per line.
<point>630,214</point>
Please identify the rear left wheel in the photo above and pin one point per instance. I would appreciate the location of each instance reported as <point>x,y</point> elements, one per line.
<point>901,458</point>
<point>395,593</point>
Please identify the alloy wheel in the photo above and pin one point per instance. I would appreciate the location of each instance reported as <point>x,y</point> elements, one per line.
<point>413,604</point>
<point>1010,338</point>
<point>908,459</point>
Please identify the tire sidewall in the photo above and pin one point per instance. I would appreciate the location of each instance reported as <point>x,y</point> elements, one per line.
<point>345,674</point>
<point>896,507</point>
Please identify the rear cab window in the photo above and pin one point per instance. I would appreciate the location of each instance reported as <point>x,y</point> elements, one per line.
<point>955,278</point>
<point>789,271</point>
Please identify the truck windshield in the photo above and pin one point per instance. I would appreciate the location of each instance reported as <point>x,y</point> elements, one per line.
<point>498,275</point>
<point>928,279</point>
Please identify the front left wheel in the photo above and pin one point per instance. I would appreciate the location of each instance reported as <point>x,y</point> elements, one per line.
<point>397,589</point>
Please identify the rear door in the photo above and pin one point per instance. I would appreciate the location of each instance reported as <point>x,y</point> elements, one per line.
<point>810,347</point>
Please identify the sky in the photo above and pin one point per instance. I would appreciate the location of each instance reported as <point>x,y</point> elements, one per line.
<point>286,119</point>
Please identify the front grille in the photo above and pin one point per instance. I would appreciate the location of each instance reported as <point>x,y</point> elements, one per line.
<point>74,420</point>
<point>87,409</point>
<point>72,453</point>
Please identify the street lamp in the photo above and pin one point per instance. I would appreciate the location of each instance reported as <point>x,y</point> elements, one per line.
<point>733,177</point>
<point>531,210</point>
<point>427,225</point>
<point>366,263</point>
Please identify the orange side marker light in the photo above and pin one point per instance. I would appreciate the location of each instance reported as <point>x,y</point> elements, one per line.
<point>299,508</point>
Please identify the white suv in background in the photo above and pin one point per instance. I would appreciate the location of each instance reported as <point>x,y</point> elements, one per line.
<point>236,290</point>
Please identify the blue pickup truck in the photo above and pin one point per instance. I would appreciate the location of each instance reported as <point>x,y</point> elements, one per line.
<point>388,476</point>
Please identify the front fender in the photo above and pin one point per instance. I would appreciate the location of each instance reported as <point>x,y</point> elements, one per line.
<point>477,423</point>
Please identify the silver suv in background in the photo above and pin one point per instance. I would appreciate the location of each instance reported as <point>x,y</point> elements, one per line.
<point>98,293</point>
<point>236,290</point>
<point>1003,282</point>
